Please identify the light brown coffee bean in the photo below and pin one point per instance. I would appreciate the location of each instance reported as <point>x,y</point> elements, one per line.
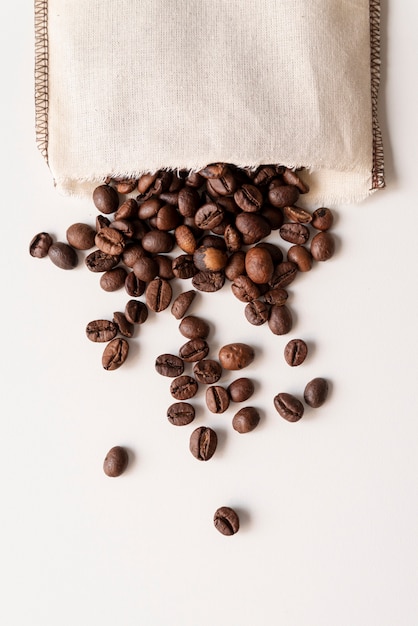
<point>115,354</point>
<point>236,356</point>
<point>115,462</point>
<point>316,392</point>
<point>288,407</point>
<point>246,419</point>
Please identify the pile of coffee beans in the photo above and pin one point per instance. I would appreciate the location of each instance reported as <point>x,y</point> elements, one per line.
<point>210,227</point>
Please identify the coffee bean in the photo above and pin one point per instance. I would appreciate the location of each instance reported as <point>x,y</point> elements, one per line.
<point>99,261</point>
<point>245,289</point>
<point>301,257</point>
<point>183,387</point>
<point>115,354</point>
<point>323,246</point>
<point>40,245</point>
<point>125,327</point>
<point>158,242</point>
<point>81,236</point>
<point>158,294</point>
<point>101,331</point>
<point>226,521</point>
<point>136,312</point>
<point>295,352</point>
<point>182,303</point>
<point>236,265</point>
<point>322,219</point>
<point>167,218</point>
<point>214,170</point>
<point>246,419</point>
<point>114,279</point>
<point>297,214</point>
<point>291,178</point>
<point>280,320</point>
<point>241,389</point>
<point>257,312</point>
<point>128,210</point>
<point>225,185</point>
<point>208,216</point>
<point>185,239</point>
<point>283,195</point>
<point>316,392</point>
<point>183,266</point>
<point>207,258</point>
<point>194,350</point>
<point>232,238</point>
<point>180,413</point>
<point>284,274</point>
<point>207,371</point>
<point>273,215</point>
<point>145,268</point>
<point>134,286</point>
<point>165,266</point>
<point>217,399</point>
<point>110,241</point>
<point>105,199</point>
<point>253,227</point>
<point>145,182</point>
<point>288,407</point>
<point>293,232</point>
<point>188,201</point>
<point>116,461</point>
<point>236,356</point>
<point>203,443</point>
<point>259,265</point>
<point>193,327</point>
<point>63,256</point>
<point>208,281</point>
<point>264,175</point>
<point>169,365</point>
<point>249,198</point>
<point>276,296</point>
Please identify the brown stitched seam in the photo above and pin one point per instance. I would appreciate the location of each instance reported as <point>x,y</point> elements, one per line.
<point>378,169</point>
<point>41,76</point>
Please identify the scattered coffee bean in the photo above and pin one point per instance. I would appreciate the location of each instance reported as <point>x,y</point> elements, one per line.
<point>217,399</point>
<point>241,389</point>
<point>125,327</point>
<point>246,419</point>
<point>114,279</point>
<point>180,413</point>
<point>110,241</point>
<point>276,296</point>
<point>99,261</point>
<point>158,294</point>
<point>322,219</point>
<point>194,327</point>
<point>207,371</point>
<point>259,264</point>
<point>115,354</point>
<point>257,312</point>
<point>289,407</point>
<point>236,356</point>
<point>284,274</point>
<point>183,387</point>
<point>226,521</point>
<point>63,256</point>
<point>282,195</point>
<point>169,365</point>
<point>203,443</point>
<point>194,350</point>
<point>295,352</point>
<point>136,312</point>
<point>182,303</point>
<point>116,461</point>
<point>294,232</point>
<point>134,286</point>
<point>101,331</point>
<point>245,289</point>
<point>323,246</point>
<point>280,319</point>
<point>208,281</point>
<point>316,392</point>
<point>40,245</point>
<point>81,236</point>
<point>301,257</point>
<point>106,199</point>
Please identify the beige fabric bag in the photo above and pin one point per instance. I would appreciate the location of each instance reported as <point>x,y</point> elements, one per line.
<point>130,86</point>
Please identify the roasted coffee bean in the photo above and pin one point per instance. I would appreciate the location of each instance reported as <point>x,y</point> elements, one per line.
<point>63,256</point>
<point>274,251</point>
<point>81,236</point>
<point>126,185</point>
<point>165,266</point>
<point>184,267</point>
<point>188,201</point>
<point>145,268</point>
<point>169,365</point>
<point>194,350</point>
<point>208,216</point>
<point>158,294</point>
<point>182,303</point>
<point>161,184</point>
<point>133,286</point>
<point>301,257</point>
<point>259,265</point>
<point>276,296</point>
<point>128,210</point>
<point>241,389</point>
<point>293,232</point>
<point>226,521</point>
<point>125,327</point>
<point>194,180</point>
<point>245,289</point>
<point>115,354</point>
<point>136,312</point>
<point>170,197</point>
<point>316,392</point>
<point>253,227</point>
<point>208,281</point>
<point>323,246</point>
<point>132,252</point>
<point>246,419</point>
<point>180,413</point>
<point>225,185</point>
<point>217,399</point>
<point>290,177</point>
<point>284,274</point>
<point>106,199</point>
<point>257,312</point>
<point>126,227</point>
<point>114,279</point>
<point>283,195</point>
<point>40,245</point>
<point>158,242</point>
<point>99,261</point>
<point>236,265</point>
<point>249,198</point>
<point>193,327</point>
<point>288,407</point>
<point>236,356</point>
<point>207,258</point>
<point>167,218</point>
<point>297,214</point>
<point>102,222</point>
<point>183,387</point>
<point>185,239</point>
<point>264,175</point>
<point>110,241</point>
<point>232,238</point>
<point>280,320</point>
<point>322,218</point>
<point>145,182</point>
<point>273,215</point>
<point>101,331</point>
<point>207,371</point>
<point>116,461</point>
<point>295,352</point>
<point>149,208</point>
<point>203,442</point>
<point>214,170</point>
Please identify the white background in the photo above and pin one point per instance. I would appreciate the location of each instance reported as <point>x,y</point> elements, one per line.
<point>328,506</point>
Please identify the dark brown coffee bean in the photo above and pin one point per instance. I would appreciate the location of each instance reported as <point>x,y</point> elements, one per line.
<point>290,177</point>
<point>110,241</point>
<point>293,232</point>
<point>257,312</point>
<point>105,199</point>
<point>301,257</point>
<point>241,389</point>
<point>145,268</point>
<point>280,320</point>
<point>63,256</point>
<point>165,266</point>
<point>188,201</point>
<point>81,236</point>
<point>40,245</point>
<point>274,251</point>
<point>316,392</point>
<point>101,222</point>
<point>158,242</point>
<point>273,215</point>
<point>203,443</point>
<point>101,331</point>
<point>297,214</point>
<point>136,312</point>
<point>99,261</point>
<point>322,218</point>
<point>180,413</point>
<point>116,461</point>
<point>236,356</point>
<point>183,266</point>
<point>145,182</point>
<point>284,274</point>
<point>167,218</point>
<point>133,286</point>
<point>288,407</point>
<point>132,252</point>
<point>323,246</point>
<point>276,296</point>
<point>169,365</point>
<point>149,208</point>
<point>295,352</point>
<point>193,327</point>
<point>114,279</point>
<point>208,216</point>
<point>246,419</point>
<point>283,195</point>
<point>115,354</point>
<point>259,265</point>
<point>182,303</point>
<point>128,210</point>
<point>207,258</point>
<point>125,185</point>
<point>170,197</point>
<point>183,387</point>
<point>208,281</point>
<point>185,239</point>
<point>226,521</point>
<point>236,265</point>
<point>225,185</point>
<point>214,170</point>
<point>125,327</point>
<point>194,350</point>
<point>158,294</point>
<point>249,198</point>
<point>232,238</point>
<point>245,289</point>
<point>207,371</point>
<point>253,227</point>
<point>217,399</point>
<point>194,180</point>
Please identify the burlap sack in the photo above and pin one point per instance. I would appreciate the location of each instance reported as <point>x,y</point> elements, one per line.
<point>125,87</point>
